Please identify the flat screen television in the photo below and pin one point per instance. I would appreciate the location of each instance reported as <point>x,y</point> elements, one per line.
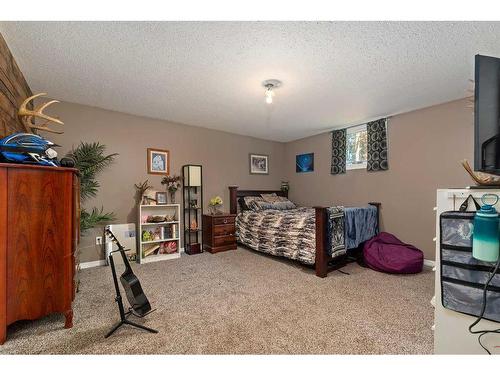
<point>487,114</point>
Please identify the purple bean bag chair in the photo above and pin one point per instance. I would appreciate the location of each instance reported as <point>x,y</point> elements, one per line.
<point>385,253</point>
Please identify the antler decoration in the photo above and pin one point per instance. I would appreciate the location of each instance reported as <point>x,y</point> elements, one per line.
<point>27,116</point>
<point>479,177</point>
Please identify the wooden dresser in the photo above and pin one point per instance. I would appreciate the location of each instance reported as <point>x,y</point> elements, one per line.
<point>39,230</point>
<point>219,232</point>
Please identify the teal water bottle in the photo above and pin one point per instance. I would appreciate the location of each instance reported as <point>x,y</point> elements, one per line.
<point>485,238</point>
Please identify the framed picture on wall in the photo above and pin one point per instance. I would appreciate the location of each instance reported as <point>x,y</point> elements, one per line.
<point>158,161</point>
<point>304,163</point>
<point>259,164</point>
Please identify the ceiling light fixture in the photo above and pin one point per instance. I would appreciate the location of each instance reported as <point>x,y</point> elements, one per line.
<point>270,85</point>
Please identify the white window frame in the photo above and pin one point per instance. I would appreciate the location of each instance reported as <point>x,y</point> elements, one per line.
<point>351,130</point>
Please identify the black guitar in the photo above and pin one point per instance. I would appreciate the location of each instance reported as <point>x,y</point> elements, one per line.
<point>133,290</point>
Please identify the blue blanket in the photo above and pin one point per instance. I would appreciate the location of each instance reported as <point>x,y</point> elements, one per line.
<point>360,225</point>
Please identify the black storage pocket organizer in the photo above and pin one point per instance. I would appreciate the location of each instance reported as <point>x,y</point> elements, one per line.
<point>462,276</point>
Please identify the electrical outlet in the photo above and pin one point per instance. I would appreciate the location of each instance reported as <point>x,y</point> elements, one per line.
<point>98,240</point>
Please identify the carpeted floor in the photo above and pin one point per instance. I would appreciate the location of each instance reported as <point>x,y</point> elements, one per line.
<point>244,302</point>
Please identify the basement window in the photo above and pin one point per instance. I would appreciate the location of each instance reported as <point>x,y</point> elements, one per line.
<point>356,147</point>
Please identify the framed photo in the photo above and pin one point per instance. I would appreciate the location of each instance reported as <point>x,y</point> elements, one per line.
<point>304,163</point>
<point>158,161</point>
<point>259,164</point>
<point>161,197</point>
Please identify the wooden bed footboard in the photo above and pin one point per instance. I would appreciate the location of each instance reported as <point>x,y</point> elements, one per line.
<point>323,260</point>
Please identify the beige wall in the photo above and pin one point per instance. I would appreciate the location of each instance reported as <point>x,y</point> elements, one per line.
<point>224,157</point>
<point>425,148</point>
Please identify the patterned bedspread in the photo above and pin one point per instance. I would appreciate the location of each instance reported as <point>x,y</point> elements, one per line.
<point>289,233</point>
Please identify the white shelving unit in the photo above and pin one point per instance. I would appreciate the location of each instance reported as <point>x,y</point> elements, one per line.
<point>172,231</point>
<point>450,328</point>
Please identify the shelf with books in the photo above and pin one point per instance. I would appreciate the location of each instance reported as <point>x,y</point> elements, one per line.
<point>161,223</point>
<point>159,232</point>
<point>161,240</point>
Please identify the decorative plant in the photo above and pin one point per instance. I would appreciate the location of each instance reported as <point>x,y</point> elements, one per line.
<point>215,203</point>
<point>141,189</point>
<point>173,183</point>
<point>90,160</point>
<point>94,218</point>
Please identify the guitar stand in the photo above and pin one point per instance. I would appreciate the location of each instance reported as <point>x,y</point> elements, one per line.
<point>123,315</point>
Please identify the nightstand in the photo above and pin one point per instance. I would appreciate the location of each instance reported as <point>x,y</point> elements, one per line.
<point>219,232</point>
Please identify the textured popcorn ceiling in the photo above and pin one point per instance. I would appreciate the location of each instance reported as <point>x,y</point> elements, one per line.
<point>209,73</point>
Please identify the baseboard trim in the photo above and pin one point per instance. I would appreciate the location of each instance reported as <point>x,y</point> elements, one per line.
<point>429,263</point>
<point>98,263</point>
<point>102,262</point>
<point>95,263</point>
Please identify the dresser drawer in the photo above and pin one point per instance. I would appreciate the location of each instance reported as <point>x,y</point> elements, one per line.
<point>224,240</point>
<point>224,220</point>
<point>224,229</point>
<point>219,233</point>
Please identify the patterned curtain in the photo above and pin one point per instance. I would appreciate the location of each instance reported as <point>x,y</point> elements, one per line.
<point>377,146</point>
<point>338,151</point>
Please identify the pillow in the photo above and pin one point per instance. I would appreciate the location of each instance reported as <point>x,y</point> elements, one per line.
<point>260,205</point>
<point>246,201</point>
<point>271,198</point>
<point>284,204</point>
<point>283,199</point>
<point>263,205</point>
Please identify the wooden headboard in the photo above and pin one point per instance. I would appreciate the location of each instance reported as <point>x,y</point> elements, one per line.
<point>235,194</point>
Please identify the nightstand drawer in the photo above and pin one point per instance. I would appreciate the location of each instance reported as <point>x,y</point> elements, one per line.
<point>224,220</point>
<point>224,230</point>
<point>219,233</point>
<point>224,240</point>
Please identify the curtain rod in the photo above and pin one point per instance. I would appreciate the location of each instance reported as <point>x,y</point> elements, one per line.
<point>363,123</point>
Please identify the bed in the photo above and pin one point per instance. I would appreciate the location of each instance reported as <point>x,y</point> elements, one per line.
<point>314,236</point>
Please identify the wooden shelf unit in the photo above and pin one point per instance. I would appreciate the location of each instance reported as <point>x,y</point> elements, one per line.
<point>144,210</point>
